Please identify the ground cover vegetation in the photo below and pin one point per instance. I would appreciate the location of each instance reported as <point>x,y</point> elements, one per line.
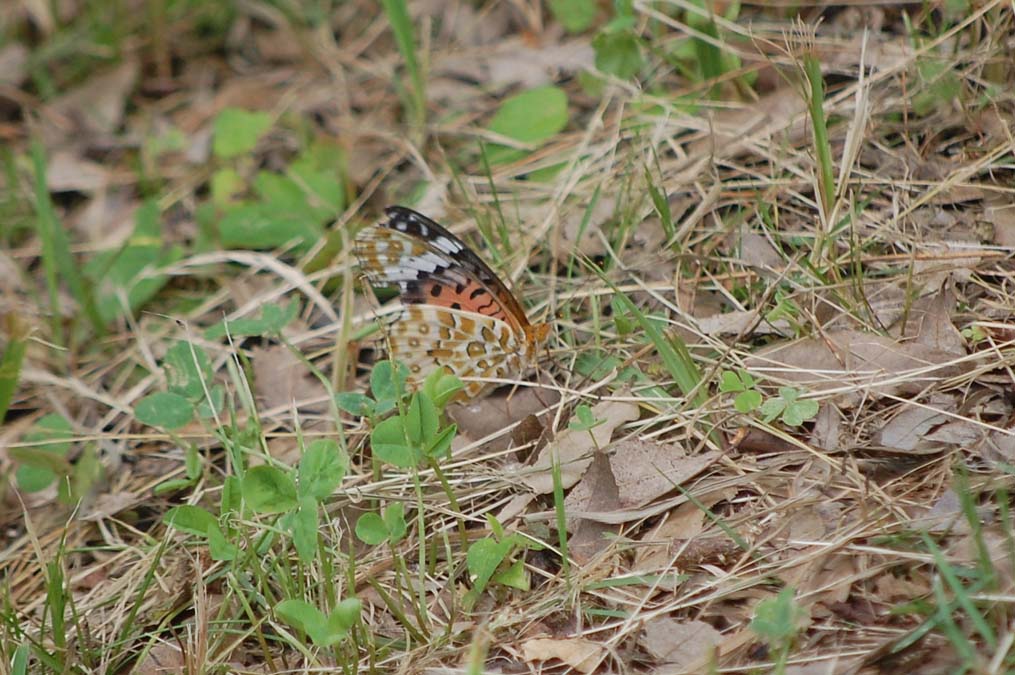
<point>771,429</point>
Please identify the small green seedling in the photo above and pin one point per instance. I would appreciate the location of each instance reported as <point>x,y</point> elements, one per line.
<point>295,494</point>
<point>271,322</point>
<point>742,384</point>
<point>583,419</point>
<point>793,410</point>
<point>188,376</point>
<point>325,631</point>
<point>415,432</point>
<point>776,622</point>
<point>373,528</point>
<point>490,560</point>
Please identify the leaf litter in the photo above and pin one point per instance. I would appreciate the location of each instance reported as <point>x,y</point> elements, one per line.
<point>897,324</point>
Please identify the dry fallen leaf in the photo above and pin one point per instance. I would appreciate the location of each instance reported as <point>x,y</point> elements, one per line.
<point>573,449</point>
<point>162,659</point>
<point>480,418</point>
<point>597,492</point>
<point>658,547</point>
<point>678,642</point>
<point>865,363</point>
<point>929,323</point>
<point>13,60</point>
<point>908,430</point>
<point>582,655</point>
<point>71,172</point>
<point>645,470</point>
<point>280,378</point>
<point>95,107</point>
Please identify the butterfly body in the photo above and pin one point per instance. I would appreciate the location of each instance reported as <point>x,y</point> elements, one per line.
<point>457,312</point>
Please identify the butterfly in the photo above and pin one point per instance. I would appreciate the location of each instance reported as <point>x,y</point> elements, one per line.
<point>456,312</point>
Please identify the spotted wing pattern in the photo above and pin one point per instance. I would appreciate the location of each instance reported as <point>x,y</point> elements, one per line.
<point>457,313</point>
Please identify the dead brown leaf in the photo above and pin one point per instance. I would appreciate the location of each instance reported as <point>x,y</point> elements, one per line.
<point>71,172</point>
<point>866,362</point>
<point>93,108</point>
<point>480,418</point>
<point>161,659</point>
<point>515,61</point>
<point>929,323</point>
<point>908,430</point>
<point>645,470</point>
<point>573,449</point>
<point>596,491</point>
<point>280,378</point>
<point>686,522</point>
<point>582,655</point>
<point>680,643</point>
<point>13,59</point>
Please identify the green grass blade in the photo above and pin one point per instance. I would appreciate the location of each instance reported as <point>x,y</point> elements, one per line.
<point>961,593</point>
<point>401,26</point>
<point>10,362</point>
<point>56,256</point>
<point>822,146</point>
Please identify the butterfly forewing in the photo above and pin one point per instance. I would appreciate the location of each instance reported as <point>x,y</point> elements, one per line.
<point>434,267</point>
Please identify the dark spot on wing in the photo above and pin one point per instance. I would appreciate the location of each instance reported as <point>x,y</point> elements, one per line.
<point>435,290</point>
<point>456,305</point>
<point>476,293</point>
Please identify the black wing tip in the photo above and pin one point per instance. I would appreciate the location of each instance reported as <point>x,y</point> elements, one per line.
<point>398,211</point>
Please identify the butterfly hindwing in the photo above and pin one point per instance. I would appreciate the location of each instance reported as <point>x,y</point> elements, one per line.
<point>469,345</point>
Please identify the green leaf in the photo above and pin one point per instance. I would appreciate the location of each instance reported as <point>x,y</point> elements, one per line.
<point>319,173</point>
<point>584,419</point>
<point>164,409</point>
<point>174,485</point>
<point>305,530</point>
<point>421,420</point>
<point>574,15</point>
<point>441,386</point>
<point>236,131</point>
<point>192,463</point>
<point>775,619</point>
<point>218,547</point>
<point>371,529</point>
<point>515,576</point>
<point>267,225</point>
<point>268,490</point>
<point>355,403</point>
<point>303,616</point>
<point>272,320</point>
<point>730,382</point>
<point>618,53</point>
<point>322,468</point>
<point>441,444</point>
<point>17,333</point>
<point>387,382</point>
<point>747,401</point>
<point>35,478</point>
<point>190,519</point>
<point>532,117</point>
<point>129,273</point>
<point>389,443</point>
<point>226,187</point>
<point>483,559</point>
<point>772,408</point>
<point>394,522</point>
<point>345,615</point>
<point>232,495</point>
<point>209,408</point>
<point>800,412</point>
<point>188,370</point>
